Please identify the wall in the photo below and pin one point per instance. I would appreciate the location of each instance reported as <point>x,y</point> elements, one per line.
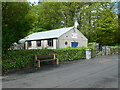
<point>43,45</point>
<point>72,36</point>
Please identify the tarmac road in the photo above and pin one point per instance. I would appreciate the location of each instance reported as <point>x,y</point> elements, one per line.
<point>99,72</point>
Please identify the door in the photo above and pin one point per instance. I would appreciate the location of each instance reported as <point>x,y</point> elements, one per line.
<point>74,44</point>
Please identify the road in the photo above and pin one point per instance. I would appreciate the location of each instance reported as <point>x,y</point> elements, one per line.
<point>99,72</point>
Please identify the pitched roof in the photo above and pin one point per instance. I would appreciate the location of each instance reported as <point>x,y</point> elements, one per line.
<point>47,34</point>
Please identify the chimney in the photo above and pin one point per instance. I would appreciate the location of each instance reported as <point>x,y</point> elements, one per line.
<point>76,24</point>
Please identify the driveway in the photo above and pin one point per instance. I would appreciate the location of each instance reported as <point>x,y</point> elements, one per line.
<point>99,72</point>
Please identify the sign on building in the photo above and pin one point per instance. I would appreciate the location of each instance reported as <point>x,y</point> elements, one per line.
<point>74,35</point>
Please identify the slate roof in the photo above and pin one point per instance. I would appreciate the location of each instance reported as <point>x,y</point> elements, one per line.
<point>47,34</point>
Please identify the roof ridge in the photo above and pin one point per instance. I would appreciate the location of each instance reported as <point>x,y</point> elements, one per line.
<point>48,34</point>
<point>50,30</point>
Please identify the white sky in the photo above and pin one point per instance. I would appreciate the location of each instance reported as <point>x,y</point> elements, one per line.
<point>32,1</point>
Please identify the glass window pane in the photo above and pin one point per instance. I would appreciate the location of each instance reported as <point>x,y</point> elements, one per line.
<point>50,42</point>
<point>29,43</point>
<point>38,43</point>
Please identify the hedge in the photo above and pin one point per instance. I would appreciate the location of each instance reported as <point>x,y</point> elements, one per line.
<point>21,59</point>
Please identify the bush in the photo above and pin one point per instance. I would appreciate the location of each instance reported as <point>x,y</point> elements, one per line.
<point>115,49</point>
<point>91,44</point>
<point>100,53</point>
<point>19,59</point>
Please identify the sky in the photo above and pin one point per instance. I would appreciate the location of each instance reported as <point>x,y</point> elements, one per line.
<point>33,0</point>
<point>36,2</point>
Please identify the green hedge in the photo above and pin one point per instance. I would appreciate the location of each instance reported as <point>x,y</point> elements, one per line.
<point>19,59</point>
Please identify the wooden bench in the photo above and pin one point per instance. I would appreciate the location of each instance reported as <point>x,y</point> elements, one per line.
<point>43,58</point>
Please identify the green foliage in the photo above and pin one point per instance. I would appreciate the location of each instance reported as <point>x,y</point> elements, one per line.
<point>16,22</point>
<point>107,27</point>
<point>70,54</point>
<point>91,44</point>
<point>34,30</point>
<point>48,15</point>
<point>98,22</point>
<point>100,53</point>
<point>52,15</point>
<point>19,59</point>
<point>115,49</point>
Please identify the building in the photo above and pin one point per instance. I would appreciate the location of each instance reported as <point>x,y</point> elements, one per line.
<point>58,38</point>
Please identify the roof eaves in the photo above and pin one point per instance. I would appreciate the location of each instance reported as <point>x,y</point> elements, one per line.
<point>41,39</point>
<point>66,32</point>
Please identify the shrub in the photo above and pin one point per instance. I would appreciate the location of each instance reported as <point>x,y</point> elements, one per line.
<point>91,44</point>
<point>115,49</point>
<point>99,54</point>
<point>21,59</point>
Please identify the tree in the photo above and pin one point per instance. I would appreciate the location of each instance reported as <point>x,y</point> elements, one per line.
<point>48,15</point>
<point>87,18</point>
<point>16,22</point>
<point>107,27</point>
<point>52,15</point>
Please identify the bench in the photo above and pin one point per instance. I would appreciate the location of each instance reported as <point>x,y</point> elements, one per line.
<point>43,58</point>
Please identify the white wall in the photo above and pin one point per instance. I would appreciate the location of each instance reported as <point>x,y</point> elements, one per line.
<point>44,44</point>
<point>79,37</point>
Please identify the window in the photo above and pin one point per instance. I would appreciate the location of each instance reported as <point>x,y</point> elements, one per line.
<point>66,43</point>
<point>29,43</point>
<point>38,43</point>
<point>50,42</point>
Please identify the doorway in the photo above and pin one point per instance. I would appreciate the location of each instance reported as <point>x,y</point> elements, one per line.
<point>74,44</point>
